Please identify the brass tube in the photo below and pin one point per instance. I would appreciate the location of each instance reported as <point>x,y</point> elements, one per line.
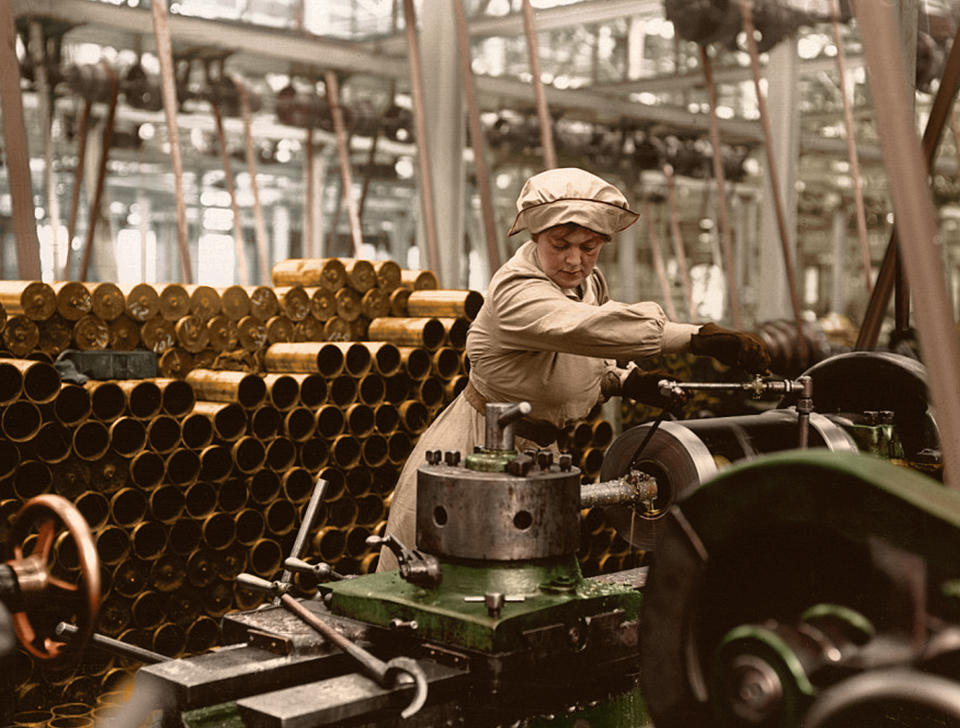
<point>215,463</point>
<point>183,467</point>
<point>32,718</point>
<point>336,483</point>
<point>356,541</point>
<point>204,301</point>
<point>375,303</point>
<point>425,332</point>
<point>9,458</point>
<point>343,390</point>
<point>299,424</point>
<point>419,280</point>
<point>357,357</point>
<point>399,447</point>
<point>370,510</point>
<point>196,431</point>
<point>310,329</point>
<point>360,420</point>
<point>184,536</point>
<point>282,389</point>
<point>106,300</point>
<point>20,335</point>
<point>52,443</point>
<point>217,598</point>
<point>20,421</point>
<point>235,302</point>
<point>336,329</point>
<point>34,299</point>
<point>147,610</point>
<point>247,390</point>
<point>71,721</point>
<point>128,506</point>
<point>386,418</point>
<point>55,335</point>
<point>169,639</point>
<point>602,434</point>
<point>167,502</point>
<point>248,454</point>
<point>263,486</point>
<point>222,333</point>
<point>250,526</point>
<point>146,469</point>
<point>252,334</point>
<point>73,299</point>
<point>168,573</point>
<point>582,435</point>
<point>129,579</point>
<point>456,331</point>
<point>192,333</point>
<point>429,391</point>
<point>33,477</point>
<point>263,302</point>
<point>40,380</point>
<point>305,357</point>
<point>91,440</point>
<point>453,388</point>
<point>397,388</point>
<point>231,561</point>
<point>71,406</point>
<point>201,499</point>
<point>163,434</point>
<point>111,472</point>
<point>177,396</point>
<point>343,512</point>
<point>372,389</point>
<point>323,303</point>
<point>359,481</point>
<point>329,543</point>
<point>280,329</point>
<point>348,304</point>
<point>327,272</point>
<point>297,484</point>
<point>264,422</point>
<point>174,301</point>
<point>313,389</point>
<point>361,275</point>
<point>91,334</point>
<point>201,570</point>
<point>107,400</point>
<point>144,398</point>
<point>281,453</point>
<point>218,530</point>
<point>445,303</point>
<point>113,545</point>
<point>330,421</point>
<point>368,564</point>
<point>202,635</point>
<point>294,302</point>
<point>71,477</point>
<point>158,335</point>
<point>141,301</point>
<point>445,362</point>
<point>345,451</point>
<point>374,451</point>
<point>398,302</point>
<point>232,495</point>
<point>266,557</point>
<point>388,275</point>
<point>228,419</point>
<point>312,453</point>
<point>175,363</point>
<point>416,361</point>
<point>148,539</point>
<point>94,507</point>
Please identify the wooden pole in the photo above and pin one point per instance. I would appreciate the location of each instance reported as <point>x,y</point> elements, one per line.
<point>533,52</point>
<point>259,226</point>
<point>84,125</point>
<point>38,53</point>
<point>654,242</point>
<point>343,153</point>
<point>238,248</point>
<point>678,247</point>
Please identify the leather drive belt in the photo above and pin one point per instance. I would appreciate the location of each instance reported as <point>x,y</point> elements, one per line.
<point>539,431</point>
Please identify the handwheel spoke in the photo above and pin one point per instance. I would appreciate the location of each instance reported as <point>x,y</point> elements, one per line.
<point>45,536</point>
<point>60,589</point>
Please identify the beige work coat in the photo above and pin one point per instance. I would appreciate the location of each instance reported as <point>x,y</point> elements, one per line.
<point>534,341</point>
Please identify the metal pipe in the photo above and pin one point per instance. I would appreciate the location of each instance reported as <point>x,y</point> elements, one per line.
<point>330,421</point>
<point>359,419</point>
<point>336,329</point>
<point>183,467</point>
<point>167,502</point>
<point>427,333</point>
<point>327,273</point>
<point>107,399</point>
<point>323,302</point>
<point>52,443</point>
<point>192,333</point>
<point>397,388</point>
<point>313,389</point>
<point>247,390</point>
<point>386,418</point>
<point>196,430</point>
<point>146,469</point>
<point>264,422</point>
<point>263,486</point>
<point>55,335</point>
<point>201,499</point>
<point>204,301</point>
<point>374,451</point>
<point>20,335</point>
<point>148,540</point>
<point>312,454</point>
<point>106,300</point>
<point>329,544</point>
<point>263,301</point>
<point>142,302</point>
<point>343,153</point>
<point>113,546</point>
<point>222,333</point>
<point>419,280</point>
<point>73,299</point>
<point>248,454</point>
<point>91,334</point>
<point>250,526</point>
<point>298,485</point>
<point>218,530</point>
<point>374,303</point>
<point>399,447</point>
<point>343,390</point>
<point>144,398</point>
<point>345,451</point>
<point>174,301</point>
<point>348,304</point>
<point>282,453</point>
<point>34,299</point>
<point>299,424</point>
<point>293,301</point>
<point>444,303</point>
<point>452,388</point>
<point>177,396</point>
<point>31,479</point>
<point>252,334</point>
<point>20,421</point>
<point>215,463</point>
<point>234,301</point>
<point>398,301</point>
<point>39,380</point>
<point>128,506</point>
<point>543,114</point>
<point>158,335</point>
<point>266,557</point>
<point>175,362</point>
<point>310,329</point>
<point>91,440</point>
<point>169,639</point>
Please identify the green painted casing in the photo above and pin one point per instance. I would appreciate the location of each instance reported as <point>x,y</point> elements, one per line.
<point>490,461</point>
<point>553,589</point>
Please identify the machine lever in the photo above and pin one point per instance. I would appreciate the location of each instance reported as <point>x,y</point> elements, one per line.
<point>416,567</point>
<point>385,674</point>
<point>322,571</point>
<point>112,646</point>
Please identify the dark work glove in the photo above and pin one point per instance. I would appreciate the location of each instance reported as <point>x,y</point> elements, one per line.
<point>733,348</point>
<point>642,386</point>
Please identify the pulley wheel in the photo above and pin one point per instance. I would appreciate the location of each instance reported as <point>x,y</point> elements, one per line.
<point>676,457</point>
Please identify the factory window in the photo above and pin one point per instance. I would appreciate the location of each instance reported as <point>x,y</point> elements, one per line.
<point>136,256</point>
<point>216,260</point>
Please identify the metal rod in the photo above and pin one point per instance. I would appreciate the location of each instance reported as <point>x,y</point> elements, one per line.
<point>747,12</point>
<point>543,113</point>
<point>263,244</point>
<point>720,178</point>
<point>306,526</point>
<point>16,151</point>
<point>114,647</point>
<point>343,152</point>
<point>238,252</point>
<point>939,113</point>
<point>46,110</point>
<point>852,151</point>
<point>615,492</point>
<point>84,125</point>
<point>679,249</point>
<point>915,211</point>
<point>476,138</point>
<point>423,155</point>
<point>654,241</point>
<point>101,174</point>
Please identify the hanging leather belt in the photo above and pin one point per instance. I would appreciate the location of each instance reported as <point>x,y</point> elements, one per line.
<point>539,431</point>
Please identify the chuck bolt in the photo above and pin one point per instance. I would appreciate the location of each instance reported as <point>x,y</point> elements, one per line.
<point>565,461</point>
<point>544,459</point>
<point>452,457</point>
<point>434,457</point>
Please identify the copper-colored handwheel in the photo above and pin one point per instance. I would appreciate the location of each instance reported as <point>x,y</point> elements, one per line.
<point>51,514</point>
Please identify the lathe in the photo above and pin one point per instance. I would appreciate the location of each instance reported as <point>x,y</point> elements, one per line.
<point>813,587</point>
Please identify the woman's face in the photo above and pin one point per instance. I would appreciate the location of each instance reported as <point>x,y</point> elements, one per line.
<point>568,253</point>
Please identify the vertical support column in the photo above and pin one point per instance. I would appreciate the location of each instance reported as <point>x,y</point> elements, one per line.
<point>444,117</point>
<point>313,247</point>
<point>783,99</point>
<point>281,235</point>
<point>838,286</point>
<point>908,16</point>
<point>627,243</point>
<point>636,40</point>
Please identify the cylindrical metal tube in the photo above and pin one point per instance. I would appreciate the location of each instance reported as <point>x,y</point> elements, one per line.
<point>216,463</point>
<point>34,299</point>
<point>91,440</point>
<point>192,333</point>
<point>147,610</point>
<point>453,388</point>
<point>52,442</point>
<point>107,400</point>
<point>176,363</point>
<point>144,398</point>
<point>177,396</point>
<point>11,382</point>
<point>148,540</point>
<point>348,304</point>
<point>310,329</point>
<point>235,302</point>
<point>201,570</point>
<point>146,469</point>
<point>202,635</point>
<point>73,299</point>
<point>94,507</point>
<point>282,389</point>
<point>294,302</point>
<point>20,421</point>
<point>128,506</point>
<point>20,335</point>
<point>113,545</point>
<point>218,530</point>
<point>345,451</point>
<point>248,390</point>
<point>445,362</point>
<point>163,434</point>
<point>386,418</point>
<point>9,458</point>
<point>196,431</point>
<point>304,357</point>
<point>232,495</point>
<point>330,421</point>
<point>266,557</point>
<point>263,302</point>
<point>249,454</point>
<point>297,484</point>
<point>250,526</point>
<point>299,424</point>
<point>71,477</point>
<point>252,334</point>
<point>397,388</point>
<point>201,499</point>
<point>217,599</point>
<point>323,303</point>
<point>371,389</point>
<point>174,301</point>
<point>110,473</point>
<point>40,381</point>
<point>342,391</point>
<point>456,331</point>
<point>329,544</point>
<point>228,419</point>
<point>183,467</point>
<point>370,510</point>
<point>280,329</point>
<point>169,639</point>
<point>167,502</point>
<point>429,391</point>
<point>222,333</point>
<point>419,280</point>
<point>168,573</point>
<point>424,332</point>
<point>281,452</point>
<point>204,301</point>
<point>264,422</point>
<point>327,272</point>
<point>142,301</point>
<point>388,275</point>
<point>184,535</point>
<point>374,303</point>
<point>444,303</point>
<point>399,447</point>
<point>359,481</point>
<point>106,300</point>
<point>312,453</point>
<point>374,451</point>
<point>124,334</point>
<point>56,334</point>
<point>416,361</point>
<point>263,486</point>
<point>360,420</point>
<point>398,302</point>
<point>72,404</point>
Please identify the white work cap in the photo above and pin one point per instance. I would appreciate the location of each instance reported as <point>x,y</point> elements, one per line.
<point>571,195</point>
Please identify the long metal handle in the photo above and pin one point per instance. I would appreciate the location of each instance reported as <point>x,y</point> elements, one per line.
<point>114,647</point>
<point>309,516</point>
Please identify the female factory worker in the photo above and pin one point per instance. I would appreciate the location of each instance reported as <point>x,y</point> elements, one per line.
<point>549,334</point>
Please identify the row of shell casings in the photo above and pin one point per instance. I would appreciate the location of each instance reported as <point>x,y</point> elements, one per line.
<point>108,687</point>
<point>360,275</point>
<point>357,358</point>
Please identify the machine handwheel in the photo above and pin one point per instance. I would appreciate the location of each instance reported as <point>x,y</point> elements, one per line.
<point>51,514</point>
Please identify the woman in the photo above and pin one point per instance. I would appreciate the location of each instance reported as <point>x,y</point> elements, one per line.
<point>549,334</point>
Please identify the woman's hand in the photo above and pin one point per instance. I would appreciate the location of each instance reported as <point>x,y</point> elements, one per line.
<point>733,348</point>
<point>644,387</point>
